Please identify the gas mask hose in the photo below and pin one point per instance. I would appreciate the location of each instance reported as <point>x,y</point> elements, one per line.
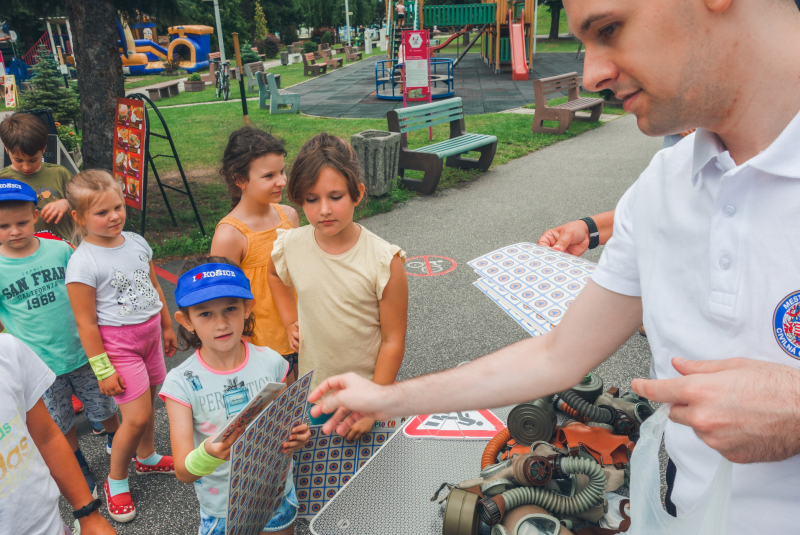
<point>556,503</point>
<point>586,410</point>
<point>493,448</point>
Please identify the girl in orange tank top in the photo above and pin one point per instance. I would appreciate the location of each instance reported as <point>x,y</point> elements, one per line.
<point>254,171</point>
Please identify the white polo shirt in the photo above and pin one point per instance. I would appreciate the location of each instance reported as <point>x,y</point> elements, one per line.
<point>713,249</point>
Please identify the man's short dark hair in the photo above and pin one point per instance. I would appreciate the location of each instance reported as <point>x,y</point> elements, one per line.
<point>25,133</point>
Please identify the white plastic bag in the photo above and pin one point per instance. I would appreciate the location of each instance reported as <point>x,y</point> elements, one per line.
<point>712,512</point>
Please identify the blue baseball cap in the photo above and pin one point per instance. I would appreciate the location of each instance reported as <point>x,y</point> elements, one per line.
<point>211,281</point>
<point>14,190</point>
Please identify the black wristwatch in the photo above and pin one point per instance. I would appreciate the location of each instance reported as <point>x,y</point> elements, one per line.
<point>87,509</point>
<point>594,234</point>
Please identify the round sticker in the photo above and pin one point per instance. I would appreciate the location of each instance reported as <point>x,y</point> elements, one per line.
<point>786,324</point>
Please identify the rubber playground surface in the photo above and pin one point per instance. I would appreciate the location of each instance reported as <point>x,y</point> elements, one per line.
<point>350,91</point>
<point>449,320</point>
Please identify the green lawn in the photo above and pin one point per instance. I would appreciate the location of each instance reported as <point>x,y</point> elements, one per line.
<point>560,100</point>
<point>135,81</point>
<point>543,22</point>
<point>200,134</point>
<point>559,45</point>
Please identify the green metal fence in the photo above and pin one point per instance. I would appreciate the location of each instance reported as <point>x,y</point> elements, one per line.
<point>459,15</point>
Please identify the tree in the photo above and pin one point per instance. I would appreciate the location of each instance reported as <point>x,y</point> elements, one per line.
<point>555,7</point>
<point>49,91</point>
<point>259,23</point>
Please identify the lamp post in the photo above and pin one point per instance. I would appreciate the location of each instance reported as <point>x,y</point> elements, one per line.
<point>347,22</point>
<point>219,31</point>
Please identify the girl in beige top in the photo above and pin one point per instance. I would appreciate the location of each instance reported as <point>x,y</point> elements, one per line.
<point>352,292</point>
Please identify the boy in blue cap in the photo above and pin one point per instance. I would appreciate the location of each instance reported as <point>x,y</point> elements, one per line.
<point>34,307</point>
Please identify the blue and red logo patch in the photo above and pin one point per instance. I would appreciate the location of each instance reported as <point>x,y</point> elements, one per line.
<point>786,324</point>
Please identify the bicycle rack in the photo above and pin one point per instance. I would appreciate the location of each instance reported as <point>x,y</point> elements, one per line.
<point>150,159</point>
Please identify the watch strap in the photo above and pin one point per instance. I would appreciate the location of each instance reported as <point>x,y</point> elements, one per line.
<point>594,234</point>
<point>86,510</point>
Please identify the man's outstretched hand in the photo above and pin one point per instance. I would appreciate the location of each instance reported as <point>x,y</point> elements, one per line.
<point>745,409</point>
<point>572,238</point>
<point>350,397</point>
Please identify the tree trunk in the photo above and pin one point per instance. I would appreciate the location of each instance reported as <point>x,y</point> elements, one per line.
<point>100,80</point>
<point>555,19</point>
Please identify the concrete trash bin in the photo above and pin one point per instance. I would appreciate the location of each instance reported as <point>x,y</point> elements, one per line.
<point>379,154</point>
<point>285,57</point>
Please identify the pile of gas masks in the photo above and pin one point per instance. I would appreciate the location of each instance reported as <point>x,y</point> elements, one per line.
<point>540,478</point>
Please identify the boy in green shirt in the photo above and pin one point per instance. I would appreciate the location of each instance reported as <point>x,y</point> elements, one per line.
<point>34,307</point>
<point>25,139</point>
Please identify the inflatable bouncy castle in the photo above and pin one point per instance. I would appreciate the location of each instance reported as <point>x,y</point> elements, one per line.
<point>144,56</point>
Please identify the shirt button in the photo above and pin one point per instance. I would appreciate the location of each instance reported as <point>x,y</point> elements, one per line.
<point>729,210</point>
<point>724,262</point>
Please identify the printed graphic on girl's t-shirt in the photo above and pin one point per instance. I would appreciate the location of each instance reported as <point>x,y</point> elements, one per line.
<point>236,397</point>
<point>142,284</point>
<point>193,380</point>
<point>15,456</point>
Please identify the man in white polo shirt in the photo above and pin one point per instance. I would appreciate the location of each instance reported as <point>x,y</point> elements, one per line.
<point>705,249</point>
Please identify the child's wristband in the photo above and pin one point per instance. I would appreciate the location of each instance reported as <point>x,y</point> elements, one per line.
<point>200,463</point>
<point>101,366</point>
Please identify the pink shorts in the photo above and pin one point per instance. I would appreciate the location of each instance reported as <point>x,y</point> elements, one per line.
<point>136,353</point>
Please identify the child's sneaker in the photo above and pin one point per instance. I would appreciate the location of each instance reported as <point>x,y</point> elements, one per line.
<point>97,428</point>
<point>77,406</point>
<point>120,507</point>
<point>164,466</point>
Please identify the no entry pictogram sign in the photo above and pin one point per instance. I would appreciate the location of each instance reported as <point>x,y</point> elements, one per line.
<point>429,265</point>
<point>466,425</point>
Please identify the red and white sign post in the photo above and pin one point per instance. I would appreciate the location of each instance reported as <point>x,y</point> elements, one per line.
<point>416,68</point>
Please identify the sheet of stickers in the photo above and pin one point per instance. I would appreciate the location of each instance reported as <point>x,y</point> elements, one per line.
<point>129,139</point>
<point>534,285</point>
<point>327,462</point>
<point>258,467</point>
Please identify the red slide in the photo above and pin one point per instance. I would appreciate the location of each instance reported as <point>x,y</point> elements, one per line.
<point>519,60</point>
<point>454,36</point>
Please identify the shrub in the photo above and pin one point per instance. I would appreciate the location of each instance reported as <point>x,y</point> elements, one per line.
<point>308,46</point>
<point>67,137</point>
<point>172,65</point>
<point>272,46</point>
<point>326,38</point>
<point>289,34</point>
<point>194,78</point>
<point>248,54</point>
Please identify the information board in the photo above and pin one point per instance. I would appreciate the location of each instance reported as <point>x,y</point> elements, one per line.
<point>129,150</point>
<point>416,66</point>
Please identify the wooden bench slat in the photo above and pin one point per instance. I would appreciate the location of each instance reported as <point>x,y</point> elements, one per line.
<point>427,108</point>
<point>417,120</point>
<point>428,124</point>
<point>580,104</point>
<point>458,145</point>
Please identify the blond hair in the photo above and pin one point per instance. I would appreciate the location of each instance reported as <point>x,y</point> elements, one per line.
<point>82,192</point>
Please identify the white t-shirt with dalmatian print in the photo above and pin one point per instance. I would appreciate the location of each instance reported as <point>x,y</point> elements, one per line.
<point>121,278</point>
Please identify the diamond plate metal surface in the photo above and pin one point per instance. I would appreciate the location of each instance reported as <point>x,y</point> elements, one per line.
<point>391,494</point>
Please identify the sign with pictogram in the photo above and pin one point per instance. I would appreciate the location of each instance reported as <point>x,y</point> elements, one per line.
<point>466,425</point>
<point>416,67</point>
<point>429,265</point>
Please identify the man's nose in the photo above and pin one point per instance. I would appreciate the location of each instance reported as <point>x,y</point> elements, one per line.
<point>599,72</point>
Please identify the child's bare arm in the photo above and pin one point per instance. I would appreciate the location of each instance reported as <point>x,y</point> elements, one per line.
<point>393,310</point>
<point>229,243</point>
<point>287,307</point>
<point>181,433</point>
<point>82,298</point>
<point>64,467</point>
<point>170,340</point>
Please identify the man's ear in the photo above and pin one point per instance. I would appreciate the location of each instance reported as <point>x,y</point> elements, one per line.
<point>717,6</point>
<point>183,319</point>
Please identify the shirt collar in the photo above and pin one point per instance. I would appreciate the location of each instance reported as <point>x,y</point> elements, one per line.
<point>781,158</point>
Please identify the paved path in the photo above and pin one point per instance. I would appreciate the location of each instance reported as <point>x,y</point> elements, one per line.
<point>450,321</point>
<point>350,92</point>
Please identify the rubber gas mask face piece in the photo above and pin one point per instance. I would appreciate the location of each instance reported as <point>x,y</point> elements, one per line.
<point>530,520</point>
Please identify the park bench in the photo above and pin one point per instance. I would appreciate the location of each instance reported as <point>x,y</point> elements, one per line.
<point>350,54</point>
<point>263,88</point>
<point>311,68</point>
<point>163,90</point>
<point>250,69</point>
<point>277,97</point>
<point>431,158</point>
<point>563,113</point>
<point>330,60</point>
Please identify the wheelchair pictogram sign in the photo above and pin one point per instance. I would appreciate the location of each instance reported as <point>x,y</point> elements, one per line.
<point>429,265</point>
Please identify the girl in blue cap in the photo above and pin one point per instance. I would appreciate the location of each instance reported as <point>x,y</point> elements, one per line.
<point>215,310</point>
